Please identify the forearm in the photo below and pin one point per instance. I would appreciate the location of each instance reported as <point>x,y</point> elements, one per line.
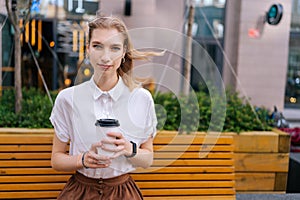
<point>64,162</point>
<point>143,158</point>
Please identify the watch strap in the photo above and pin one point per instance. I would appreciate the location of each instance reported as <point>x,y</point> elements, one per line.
<point>133,150</point>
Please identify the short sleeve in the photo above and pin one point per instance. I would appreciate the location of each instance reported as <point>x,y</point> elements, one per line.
<point>61,116</point>
<point>151,120</point>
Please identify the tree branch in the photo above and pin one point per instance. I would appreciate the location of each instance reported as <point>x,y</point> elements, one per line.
<point>27,17</point>
<point>11,16</point>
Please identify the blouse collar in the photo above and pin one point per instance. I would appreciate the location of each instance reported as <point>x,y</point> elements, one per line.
<point>114,93</point>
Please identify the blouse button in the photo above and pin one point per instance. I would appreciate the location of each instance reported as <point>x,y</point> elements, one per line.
<point>100,192</point>
<point>100,181</point>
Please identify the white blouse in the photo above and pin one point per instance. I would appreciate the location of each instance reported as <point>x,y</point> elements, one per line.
<point>77,108</point>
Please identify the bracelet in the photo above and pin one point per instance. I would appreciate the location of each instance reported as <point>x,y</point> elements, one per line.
<point>82,160</point>
<point>133,150</point>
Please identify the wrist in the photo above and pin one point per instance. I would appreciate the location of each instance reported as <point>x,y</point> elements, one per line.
<point>78,162</point>
<point>133,150</point>
<point>82,160</point>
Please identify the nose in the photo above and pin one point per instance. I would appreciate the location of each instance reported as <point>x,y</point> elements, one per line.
<point>105,57</point>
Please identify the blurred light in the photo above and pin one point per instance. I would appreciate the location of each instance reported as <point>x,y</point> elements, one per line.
<point>253,33</point>
<point>293,100</point>
<point>27,32</point>
<point>81,45</point>
<point>67,82</point>
<point>87,72</point>
<point>52,43</point>
<point>33,32</point>
<point>297,80</point>
<point>21,26</point>
<point>75,40</point>
<point>40,35</point>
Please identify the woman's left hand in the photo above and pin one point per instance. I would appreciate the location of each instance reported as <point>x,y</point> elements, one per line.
<point>123,146</point>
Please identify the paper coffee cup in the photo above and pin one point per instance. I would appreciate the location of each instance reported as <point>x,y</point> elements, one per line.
<point>105,126</point>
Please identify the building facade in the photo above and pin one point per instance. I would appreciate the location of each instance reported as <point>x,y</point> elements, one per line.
<point>257,59</point>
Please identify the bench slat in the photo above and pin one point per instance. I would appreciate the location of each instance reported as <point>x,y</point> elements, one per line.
<point>185,184</point>
<point>28,171</point>
<point>190,169</point>
<point>198,191</point>
<point>32,186</point>
<point>25,148</point>
<point>34,179</point>
<point>192,139</point>
<point>19,155</point>
<point>50,171</point>
<point>202,162</point>
<point>164,162</point>
<point>219,197</point>
<point>195,148</point>
<point>29,195</point>
<point>47,155</point>
<point>26,139</point>
<point>179,177</point>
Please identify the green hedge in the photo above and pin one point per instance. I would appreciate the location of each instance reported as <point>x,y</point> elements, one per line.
<point>239,115</point>
<point>36,109</point>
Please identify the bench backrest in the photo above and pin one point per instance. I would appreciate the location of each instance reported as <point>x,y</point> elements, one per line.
<point>178,171</point>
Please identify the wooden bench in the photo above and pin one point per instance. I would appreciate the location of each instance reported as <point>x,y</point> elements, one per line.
<point>177,171</point>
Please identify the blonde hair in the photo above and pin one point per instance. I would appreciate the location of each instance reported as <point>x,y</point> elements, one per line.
<point>125,70</point>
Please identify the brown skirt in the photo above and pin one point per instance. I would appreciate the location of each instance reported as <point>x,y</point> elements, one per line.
<point>80,187</point>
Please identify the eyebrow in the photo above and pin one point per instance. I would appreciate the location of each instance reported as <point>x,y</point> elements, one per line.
<point>114,44</point>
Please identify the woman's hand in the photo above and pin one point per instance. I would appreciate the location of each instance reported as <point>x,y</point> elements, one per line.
<point>121,145</point>
<point>93,160</point>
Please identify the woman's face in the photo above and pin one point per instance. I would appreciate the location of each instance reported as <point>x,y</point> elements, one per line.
<point>106,50</point>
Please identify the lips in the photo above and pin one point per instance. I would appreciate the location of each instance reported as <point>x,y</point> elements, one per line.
<point>105,67</point>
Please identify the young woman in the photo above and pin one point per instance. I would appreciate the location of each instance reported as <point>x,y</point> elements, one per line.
<point>110,93</point>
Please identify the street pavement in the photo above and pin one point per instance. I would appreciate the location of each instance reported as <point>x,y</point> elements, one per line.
<point>294,196</point>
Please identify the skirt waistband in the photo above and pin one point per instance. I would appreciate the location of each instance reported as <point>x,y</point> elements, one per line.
<point>96,181</point>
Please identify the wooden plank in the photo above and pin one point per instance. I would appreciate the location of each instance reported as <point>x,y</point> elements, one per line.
<point>193,138</point>
<point>254,181</point>
<point>179,177</point>
<point>47,155</point>
<point>266,142</point>
<point>280,181</point>
<point>210,197</point>
<point>210,155</point>
<point>182,169</point>
<point>196,148</point>
<point>25,148</point>
<point>198,191</point>
<point>185,184</point>
<point>27,171</point>
<point>25,155</point>
<point>31,186</point>
<point>196,162</point>
<point>284,143</point>
<point>261,162</point>
<point>34,179</point>
<point>26,139</point>
<point>26,131</point>
<point>25,163</point>
<point>29,195</point>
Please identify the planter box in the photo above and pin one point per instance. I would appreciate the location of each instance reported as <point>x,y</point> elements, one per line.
<point>261,161</point>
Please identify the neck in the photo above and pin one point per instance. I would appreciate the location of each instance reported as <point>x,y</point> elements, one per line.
<point>105,83</point>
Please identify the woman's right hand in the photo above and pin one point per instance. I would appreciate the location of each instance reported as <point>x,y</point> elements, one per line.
<point>93,160</point>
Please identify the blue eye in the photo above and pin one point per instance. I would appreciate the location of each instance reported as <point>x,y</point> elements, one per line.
<point>116,48</point>
<point>98,46</point>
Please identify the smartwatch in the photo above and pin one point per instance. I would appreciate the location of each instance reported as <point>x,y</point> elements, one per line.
<point>133,150</point>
